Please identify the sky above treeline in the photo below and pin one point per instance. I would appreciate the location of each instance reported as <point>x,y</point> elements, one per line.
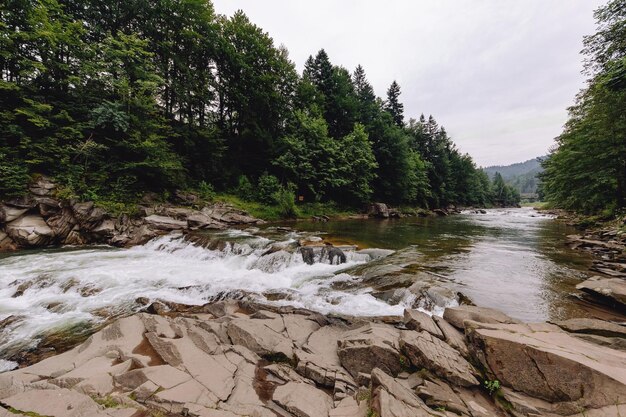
<point>498,74</point>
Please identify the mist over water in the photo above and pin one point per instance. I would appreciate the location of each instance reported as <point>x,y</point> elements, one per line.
<point>513,260</point>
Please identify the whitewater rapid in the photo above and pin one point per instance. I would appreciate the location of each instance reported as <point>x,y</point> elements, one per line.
<point>52,289</point>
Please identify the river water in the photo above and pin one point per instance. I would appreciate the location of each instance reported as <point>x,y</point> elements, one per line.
<point>514,260</point>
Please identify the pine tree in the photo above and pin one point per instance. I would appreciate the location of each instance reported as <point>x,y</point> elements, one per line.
<point>393,105</point>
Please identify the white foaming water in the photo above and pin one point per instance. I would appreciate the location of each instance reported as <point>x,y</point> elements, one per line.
<point>54,289</point>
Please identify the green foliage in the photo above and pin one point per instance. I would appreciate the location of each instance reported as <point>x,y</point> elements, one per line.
<point>267,187</point>
<point>492,386</point>
<point>113,100</point>
<point>244,188</point>
<point>206,191</point>
<point>586,171</point>
<point>106,402</point>
<point>13,177</point>
<point>285,199</point>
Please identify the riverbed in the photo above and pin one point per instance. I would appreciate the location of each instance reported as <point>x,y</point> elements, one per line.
<point>514,260</point>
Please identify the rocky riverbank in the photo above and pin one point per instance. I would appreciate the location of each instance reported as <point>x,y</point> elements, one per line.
<point>230,359</point>
<point>41,219</point>
<point>607,245</point>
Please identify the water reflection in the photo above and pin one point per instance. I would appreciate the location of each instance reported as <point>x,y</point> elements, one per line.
<point>512,260</point>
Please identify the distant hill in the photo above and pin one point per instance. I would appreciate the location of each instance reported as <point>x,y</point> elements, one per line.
<point>522,175</point>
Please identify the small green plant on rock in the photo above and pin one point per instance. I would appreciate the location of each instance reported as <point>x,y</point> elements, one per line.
<point>106,402</point>
<point>492,386</point>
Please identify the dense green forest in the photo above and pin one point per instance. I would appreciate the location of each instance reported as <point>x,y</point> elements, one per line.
<point>586,171</point>
<point>116,98</point>
<point>523,176</point>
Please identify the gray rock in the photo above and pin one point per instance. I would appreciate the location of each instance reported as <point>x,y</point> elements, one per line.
<point>545,362</point>
<point>370,346</point>
<point>165,223</point>
<point>452,336</point>
<point>610,291</point>
<point>426,351</point>
<point>458,315</point>
<point>303,400</point>
<point>417,320</point>
<point>30,231</point>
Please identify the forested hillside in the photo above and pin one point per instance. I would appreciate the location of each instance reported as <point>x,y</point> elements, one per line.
<point>523,176</point>
<point>115,99</point>
<point>586,170</point>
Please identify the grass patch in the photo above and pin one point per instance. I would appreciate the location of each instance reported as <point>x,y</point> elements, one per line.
<point>106,402</point>
<point>273,212</point>
<point>25,413</point>
<point>116,209</point>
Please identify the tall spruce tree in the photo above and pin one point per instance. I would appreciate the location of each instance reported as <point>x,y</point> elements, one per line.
<point>393,104</point>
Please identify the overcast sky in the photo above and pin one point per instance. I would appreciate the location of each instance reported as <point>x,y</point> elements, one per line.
<point>498,74</point>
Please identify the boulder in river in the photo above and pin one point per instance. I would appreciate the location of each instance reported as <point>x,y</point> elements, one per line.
<point>611,291</point>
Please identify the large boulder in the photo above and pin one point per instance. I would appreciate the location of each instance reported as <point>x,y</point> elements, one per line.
<point>165,223</point>
<point>417,320</point>
<point>379,210</point>
<point>6,243</point>
<point>42,187</point>
<point>30,231</point>
<point>62,223</point>
<point>452,336</point>
<point>303,400</point>
<point>390,398</point>
<point>543,361</point>
<point>611,291</point>
<point>426,351</point>
<point>370,346</point>
<point>262,336</point>
<point>8,213</point>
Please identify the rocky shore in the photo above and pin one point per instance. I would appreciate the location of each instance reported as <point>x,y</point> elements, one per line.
<point>607,245</point>
<point>41,219</point>
<point>230,359</point>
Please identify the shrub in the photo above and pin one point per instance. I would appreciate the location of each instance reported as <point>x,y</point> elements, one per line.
<point>244,188</point>
<point>268,185</point>
<point>206,191</point>
<point>285,199</point>
<point>13,177</point>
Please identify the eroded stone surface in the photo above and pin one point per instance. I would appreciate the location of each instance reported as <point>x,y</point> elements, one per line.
<point>370,346</point>
<point>230,359</point>
<point>545,362</point>
<point>458,315</point>
<point>426,351</point>
<point>417,320</point>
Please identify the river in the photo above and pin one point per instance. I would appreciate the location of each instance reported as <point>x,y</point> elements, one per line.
<point>514,260</point>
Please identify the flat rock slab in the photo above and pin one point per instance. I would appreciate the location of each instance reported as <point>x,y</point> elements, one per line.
<point>593,327</point>
<point>545,362</point>
<point>426,351</point>
<point>303,400</point>
<point>417,320</point>
<point>55,403</point>
<point>371,346</point>
<point>456,316</point>
<point>452,336</point>
<point>165,223</point>
<point>609,290</point>
<point>392,399</point>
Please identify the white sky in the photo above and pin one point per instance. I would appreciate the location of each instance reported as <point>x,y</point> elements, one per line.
<point>498,74</point>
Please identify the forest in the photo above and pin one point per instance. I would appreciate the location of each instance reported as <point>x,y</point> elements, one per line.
<point>118,98</point>
<point>586,170</point>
